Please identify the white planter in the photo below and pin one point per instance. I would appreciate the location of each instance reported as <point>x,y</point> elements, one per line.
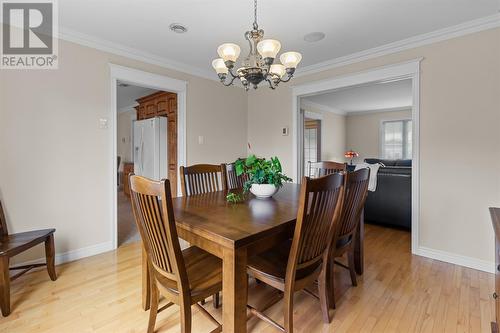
<point>263,191</point>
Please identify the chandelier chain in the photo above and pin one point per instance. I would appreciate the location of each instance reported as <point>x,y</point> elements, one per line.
<point>255,25</point>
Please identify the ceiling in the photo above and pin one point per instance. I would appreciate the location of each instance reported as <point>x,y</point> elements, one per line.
<point>350,25</point>
<point>126,96</point>
<point>370,97</point>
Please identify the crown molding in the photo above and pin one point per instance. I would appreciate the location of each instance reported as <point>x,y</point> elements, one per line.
<point>304,103</point>
<point>484,23</point>
<point>132,53</point>
<point>394,109</point>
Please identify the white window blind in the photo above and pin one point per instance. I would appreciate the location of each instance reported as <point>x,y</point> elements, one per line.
<point>396,137</point>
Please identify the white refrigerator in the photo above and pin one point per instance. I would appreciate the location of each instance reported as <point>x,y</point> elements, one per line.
<point>150,148</point>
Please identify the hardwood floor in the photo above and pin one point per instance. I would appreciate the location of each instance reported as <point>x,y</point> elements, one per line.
<point>127,230</point>
<point>398,293</point>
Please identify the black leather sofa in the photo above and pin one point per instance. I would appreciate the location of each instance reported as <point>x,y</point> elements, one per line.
<point>390,204</point>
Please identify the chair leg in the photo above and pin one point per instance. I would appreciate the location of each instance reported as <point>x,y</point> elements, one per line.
<point>4,286</point>
<point>216,301</point>
<point>288,311</point>
<point>331,283</point>
<point>323,295</point>
<point>50,254</point>
<point>352,270</point>
<point>153,310</point>
<point>185,317</point>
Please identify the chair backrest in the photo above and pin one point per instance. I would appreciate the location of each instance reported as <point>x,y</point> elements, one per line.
<point>320,169</point>
<point>154,216</point>
<point>319,208</point>
<point>203,178</point>
<point>234,181</point>
<point>3,222</point>
<point>354,200</point>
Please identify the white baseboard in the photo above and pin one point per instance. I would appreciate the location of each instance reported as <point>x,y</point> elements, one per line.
<point>72,255</point>
<point>457,259</point>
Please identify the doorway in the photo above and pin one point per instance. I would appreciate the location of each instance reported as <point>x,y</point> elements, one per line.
<point>409,71</point>
<point>154,104</point>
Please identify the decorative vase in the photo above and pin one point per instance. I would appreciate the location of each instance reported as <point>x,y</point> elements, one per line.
<point>263,191</point>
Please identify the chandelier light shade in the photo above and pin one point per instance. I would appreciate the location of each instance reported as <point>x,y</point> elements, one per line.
<point>219,66</point>
<point>260,63</point>
<point>229,52</point>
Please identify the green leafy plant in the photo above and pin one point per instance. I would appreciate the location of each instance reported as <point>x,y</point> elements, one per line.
<point>261,171</point>
<point>234,197</point>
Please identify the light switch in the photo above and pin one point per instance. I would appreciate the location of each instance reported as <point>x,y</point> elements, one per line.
<point>103,123</point>
<point>201,139</point>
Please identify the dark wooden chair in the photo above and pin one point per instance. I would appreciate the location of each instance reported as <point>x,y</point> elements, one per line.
<point>234,181</point>
<point>182,277</point>
<point>296,264</point>
<point>320,169</point>
<point>345,231</point>
<point>203,178</point>
<point>13,244</point>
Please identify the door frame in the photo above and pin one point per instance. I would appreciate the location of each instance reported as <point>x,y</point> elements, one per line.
<point>149,80</point>
<point>405,70</point>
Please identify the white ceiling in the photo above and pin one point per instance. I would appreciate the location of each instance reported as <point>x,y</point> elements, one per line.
<point>371,97</point>
<point>126,96</point>
<point>350,25</point>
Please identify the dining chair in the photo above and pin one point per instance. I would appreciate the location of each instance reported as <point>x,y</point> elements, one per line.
<point>14,244</point>
<point>234,181</point>
<point>297,263</point>
<point>203,178</point>
<point>356,190</point>
<point>182,277</point>
<point>319,169</point>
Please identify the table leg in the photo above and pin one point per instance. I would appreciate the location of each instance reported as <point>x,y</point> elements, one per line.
<point>234,291</point>
<point>146,286</point>
<point>358,246</point>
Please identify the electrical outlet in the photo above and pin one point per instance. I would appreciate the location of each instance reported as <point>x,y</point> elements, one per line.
<point>201,139</point>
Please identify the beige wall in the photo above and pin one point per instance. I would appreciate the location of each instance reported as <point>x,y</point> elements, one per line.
<point>124,136</point>
<point>459,137</point>
<point>56,164</point>
<point>363,131</point>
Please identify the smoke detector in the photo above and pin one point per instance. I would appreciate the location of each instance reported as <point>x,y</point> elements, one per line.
<point>178,28</point>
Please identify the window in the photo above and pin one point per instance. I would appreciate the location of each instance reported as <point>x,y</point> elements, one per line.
<point>396,136</point>
<point>312,139</point>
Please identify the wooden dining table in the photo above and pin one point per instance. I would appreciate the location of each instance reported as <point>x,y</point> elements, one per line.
<point>234,232</point>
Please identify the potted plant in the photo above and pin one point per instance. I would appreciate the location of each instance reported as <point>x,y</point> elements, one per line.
<point>265,177</point>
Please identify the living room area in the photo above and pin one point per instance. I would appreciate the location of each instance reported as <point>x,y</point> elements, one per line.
<point>367,125</point>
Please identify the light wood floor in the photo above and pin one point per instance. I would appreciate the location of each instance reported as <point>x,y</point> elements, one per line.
<point>398,293</point>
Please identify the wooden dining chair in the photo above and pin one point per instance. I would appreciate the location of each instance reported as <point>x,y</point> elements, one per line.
<point>320,169</point>
<point>182,277</point>
<point>296,264</point>
<point>343,240</point>
<point>203,178</point>
<point>234,181</point>
<point>13,244</point>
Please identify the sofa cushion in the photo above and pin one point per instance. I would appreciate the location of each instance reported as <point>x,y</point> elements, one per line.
<point>389,163</point>
<point>403,163</point>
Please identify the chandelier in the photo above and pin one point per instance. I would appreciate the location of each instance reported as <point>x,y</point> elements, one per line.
<point>259,65</point>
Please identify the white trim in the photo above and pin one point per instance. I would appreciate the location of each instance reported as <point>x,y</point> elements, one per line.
<point>157,82</point>
<point>76,254</point>
<point>307,103</point>
<point>409,70</point>
<point>456,259</point>
<point>395,109</point>
<point>133,53</point>
<point>466,28</point>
